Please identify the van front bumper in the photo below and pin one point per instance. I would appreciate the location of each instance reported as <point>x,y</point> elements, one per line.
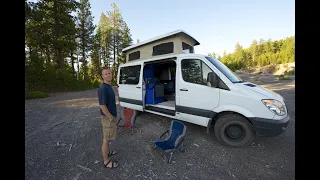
<point>270,127</point>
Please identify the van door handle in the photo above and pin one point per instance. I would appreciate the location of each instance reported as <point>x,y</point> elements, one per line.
<point>138,87</point>
<point>183,89</point>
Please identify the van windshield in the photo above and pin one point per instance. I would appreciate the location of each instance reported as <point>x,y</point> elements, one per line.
<point>225,70</point>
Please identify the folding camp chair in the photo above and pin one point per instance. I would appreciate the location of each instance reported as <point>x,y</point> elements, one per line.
<point>174,139</point>
<point>127,118</point>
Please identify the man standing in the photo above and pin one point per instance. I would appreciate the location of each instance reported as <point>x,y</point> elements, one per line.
<point>108,111</point>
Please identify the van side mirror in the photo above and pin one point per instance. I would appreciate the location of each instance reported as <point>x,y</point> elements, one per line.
<point>212,78</point>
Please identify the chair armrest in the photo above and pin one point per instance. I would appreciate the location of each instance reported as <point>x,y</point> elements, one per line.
<point>164,133</point>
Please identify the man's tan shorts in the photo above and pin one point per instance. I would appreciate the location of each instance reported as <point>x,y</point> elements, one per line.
<point>109,128</point>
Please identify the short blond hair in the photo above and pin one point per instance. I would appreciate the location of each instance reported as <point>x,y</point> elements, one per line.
<point>105,68</point>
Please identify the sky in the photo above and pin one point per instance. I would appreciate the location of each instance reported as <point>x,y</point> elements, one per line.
<point>218,25</point>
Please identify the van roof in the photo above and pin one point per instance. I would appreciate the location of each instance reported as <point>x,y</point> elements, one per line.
<point>158,38</point>
<point>163,57</point>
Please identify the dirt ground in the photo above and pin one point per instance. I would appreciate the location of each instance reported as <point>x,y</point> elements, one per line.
<point>63,138</point>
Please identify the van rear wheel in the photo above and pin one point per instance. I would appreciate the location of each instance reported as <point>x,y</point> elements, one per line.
<point>234,130</point>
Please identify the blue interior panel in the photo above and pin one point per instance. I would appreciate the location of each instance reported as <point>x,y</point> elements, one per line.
<point>151,83</point>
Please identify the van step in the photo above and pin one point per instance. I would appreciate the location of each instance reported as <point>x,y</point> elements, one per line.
<point>161,110</point>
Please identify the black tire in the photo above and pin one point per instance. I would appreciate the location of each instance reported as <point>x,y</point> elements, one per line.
<point>234,130</point>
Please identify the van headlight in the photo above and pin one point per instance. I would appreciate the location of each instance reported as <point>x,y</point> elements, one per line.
<point>275,106</point>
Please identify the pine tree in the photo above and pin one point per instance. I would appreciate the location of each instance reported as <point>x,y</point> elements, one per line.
<point>86,29</point>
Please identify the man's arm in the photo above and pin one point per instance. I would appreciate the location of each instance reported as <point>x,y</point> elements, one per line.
<point>103,96</point>
<point>106,112</point>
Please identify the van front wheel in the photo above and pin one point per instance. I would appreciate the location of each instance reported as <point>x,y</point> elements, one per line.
<point>234,130</point>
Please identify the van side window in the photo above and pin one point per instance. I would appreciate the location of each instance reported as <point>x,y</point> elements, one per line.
<point>164,48</point>
<point>135,55</point>
<point>195,71</point>
<point>130,75</point>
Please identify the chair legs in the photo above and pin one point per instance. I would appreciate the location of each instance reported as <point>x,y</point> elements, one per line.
<point>134,130</point>
<point>171,153</point>
<point>181,148</point>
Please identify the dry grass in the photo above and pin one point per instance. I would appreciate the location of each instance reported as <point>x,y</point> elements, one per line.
<point>275,69</point>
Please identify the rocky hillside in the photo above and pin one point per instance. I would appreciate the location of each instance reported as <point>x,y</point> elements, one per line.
<point>274,69</point>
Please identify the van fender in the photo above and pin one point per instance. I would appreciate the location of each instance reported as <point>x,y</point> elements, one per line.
<point>228,108</point>
<point>234,108</point>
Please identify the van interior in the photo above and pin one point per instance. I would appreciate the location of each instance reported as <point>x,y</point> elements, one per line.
<point>159,78</point>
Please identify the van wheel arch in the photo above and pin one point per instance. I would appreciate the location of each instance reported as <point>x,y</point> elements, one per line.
<point>214,119</point>
<point>222,121</point>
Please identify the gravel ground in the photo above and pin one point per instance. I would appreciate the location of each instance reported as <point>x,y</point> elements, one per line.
<point>63,138</point>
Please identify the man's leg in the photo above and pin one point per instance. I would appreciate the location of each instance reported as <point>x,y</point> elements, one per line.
<point>105,150</point>
<point>109,133</point>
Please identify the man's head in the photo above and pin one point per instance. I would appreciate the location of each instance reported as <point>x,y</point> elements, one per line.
<point>106,74</point>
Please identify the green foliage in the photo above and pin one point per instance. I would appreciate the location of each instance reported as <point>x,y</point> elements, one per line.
<point>115,35</point>
<point>282,77</point>
<point>35,95</point>
<point>114,82</point>
<point>291,73</point>
<point>96,83</point>
<point>85,32</point>
<point>58,33</point>
<point>260,53</point>
<point>47,78</point>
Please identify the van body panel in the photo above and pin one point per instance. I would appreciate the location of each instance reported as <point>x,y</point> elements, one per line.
<point>243,101</point>
<point>234,108</point>
<point>264,91</point>
<point>202,121</point>
<point>198,97</point>
<point>194,111</point>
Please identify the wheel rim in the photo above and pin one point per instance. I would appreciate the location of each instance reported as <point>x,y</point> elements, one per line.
<point>234,132</point>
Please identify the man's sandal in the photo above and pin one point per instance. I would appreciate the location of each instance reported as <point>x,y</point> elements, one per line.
<point>114,164</point>
<point>111,153</point>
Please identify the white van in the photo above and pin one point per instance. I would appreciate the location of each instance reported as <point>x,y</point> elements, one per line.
<point>201,90</point>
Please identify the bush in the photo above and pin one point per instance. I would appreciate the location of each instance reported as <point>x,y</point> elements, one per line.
<point>35,95</point>
<point>96,84</point>
<point>291,73</point>
<point>113,82</point>
<point>282,77</point>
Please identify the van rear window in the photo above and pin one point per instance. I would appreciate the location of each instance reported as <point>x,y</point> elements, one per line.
<point>130,75</point>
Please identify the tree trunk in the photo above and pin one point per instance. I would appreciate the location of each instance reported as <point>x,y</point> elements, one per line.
<point>114,48</point>
<point>99,60</point>
<point>30,51</point>
<point>58,51</point>
<point>78,65</point>
<point>103,55</point>
<point>48,60</point>
<point>72,64</point>
<point>25,57</point>
<point>84,43</point>
<point>85,70</point>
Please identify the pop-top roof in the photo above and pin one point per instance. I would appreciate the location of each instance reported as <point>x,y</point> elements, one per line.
<point>177,32</point>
